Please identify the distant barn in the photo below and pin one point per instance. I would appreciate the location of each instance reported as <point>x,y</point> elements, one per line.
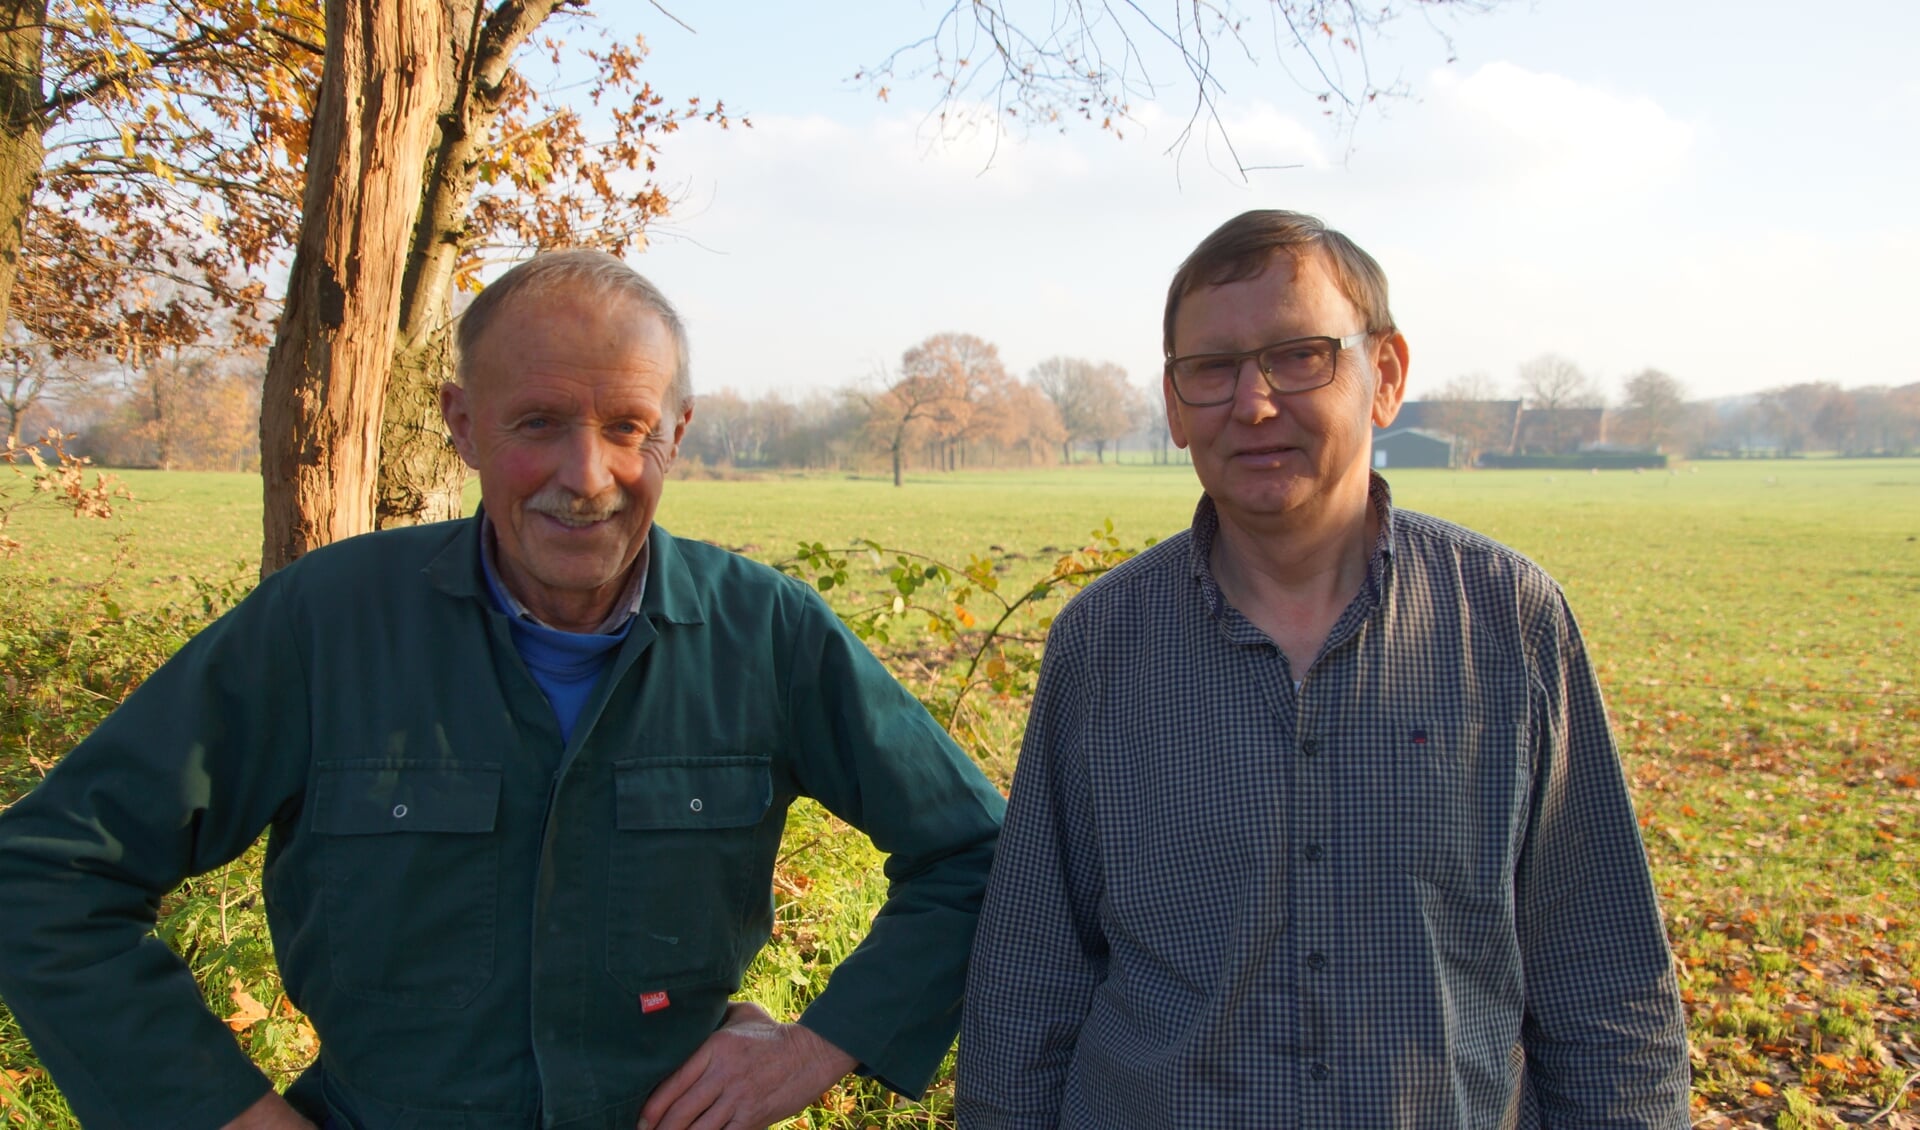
<point>1413,447</point>
<point>1474,425</point>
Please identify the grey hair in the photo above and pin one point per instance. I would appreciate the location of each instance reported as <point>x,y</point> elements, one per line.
<point>598,274</point>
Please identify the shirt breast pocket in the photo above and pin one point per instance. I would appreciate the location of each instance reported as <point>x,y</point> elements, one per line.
<point>688,884</point>
<point>1456,802</point>
<point>411,874</point>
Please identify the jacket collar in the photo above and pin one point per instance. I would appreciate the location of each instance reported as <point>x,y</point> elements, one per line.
<point>671,594</point>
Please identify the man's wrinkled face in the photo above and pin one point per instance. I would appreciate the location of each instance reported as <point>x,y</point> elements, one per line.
<point>563,416</point>
<point>1264,454</point>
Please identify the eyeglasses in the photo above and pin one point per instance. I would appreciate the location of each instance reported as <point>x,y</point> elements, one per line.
<point>1202,380</point>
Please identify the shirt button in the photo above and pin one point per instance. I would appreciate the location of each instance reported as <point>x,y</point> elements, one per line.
<point>399,811</point>
<point>1316,853</point>
<point>1316,961</point>
<point>1310,746</point>
<point>695,804</point>
<point>1319,1071</point>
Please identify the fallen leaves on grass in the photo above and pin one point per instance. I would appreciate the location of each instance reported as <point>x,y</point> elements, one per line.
<point>246,1011</point>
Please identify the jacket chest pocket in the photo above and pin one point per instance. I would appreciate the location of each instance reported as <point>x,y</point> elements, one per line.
<point>411,879</point>
<point>688,883</point>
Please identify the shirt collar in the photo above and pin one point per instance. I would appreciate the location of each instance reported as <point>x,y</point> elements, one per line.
<point>1206,526</point>
<point>625,607</point>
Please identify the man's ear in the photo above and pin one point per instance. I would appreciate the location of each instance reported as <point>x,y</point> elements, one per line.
<point>1391,387</point>
<point>458,415</point>
<point>680,429</point>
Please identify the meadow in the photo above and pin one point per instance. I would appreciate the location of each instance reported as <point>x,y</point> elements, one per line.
<point>1754,625</point>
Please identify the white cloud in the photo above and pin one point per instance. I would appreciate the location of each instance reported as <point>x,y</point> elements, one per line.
<point>1543,144</point>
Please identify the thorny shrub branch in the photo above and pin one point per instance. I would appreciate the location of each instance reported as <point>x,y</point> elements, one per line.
<point>998,646</point>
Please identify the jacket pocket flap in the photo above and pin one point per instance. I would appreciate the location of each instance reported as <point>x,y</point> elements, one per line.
<point>718,792</point>
<point>371,801</point>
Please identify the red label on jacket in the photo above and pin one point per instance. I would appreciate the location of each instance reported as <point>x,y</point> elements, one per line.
<point>653,1002</point>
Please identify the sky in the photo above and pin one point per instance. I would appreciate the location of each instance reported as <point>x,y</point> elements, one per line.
<point>1724,191</point>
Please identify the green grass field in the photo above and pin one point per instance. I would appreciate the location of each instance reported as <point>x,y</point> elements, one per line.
<point>1754,625</point>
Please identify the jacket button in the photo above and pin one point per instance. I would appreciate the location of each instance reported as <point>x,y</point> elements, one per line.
<point>1316,853</point>
<point>1319,1071</point>
<point>695,804</point>
<point>1316,961</point>
<point>399,811</point>
<point>1310,746</point>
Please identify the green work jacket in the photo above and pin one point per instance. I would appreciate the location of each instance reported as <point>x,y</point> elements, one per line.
<point>481,941</point>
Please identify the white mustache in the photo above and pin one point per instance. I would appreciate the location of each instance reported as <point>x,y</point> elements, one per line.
<point>570,509</point>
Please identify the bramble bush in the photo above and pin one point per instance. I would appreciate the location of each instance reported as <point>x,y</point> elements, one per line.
<point>967,637</point>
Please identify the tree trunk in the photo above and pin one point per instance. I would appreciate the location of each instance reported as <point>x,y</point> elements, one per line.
<point>162,415</point>
<point>896,464</point>
<point>421,476</point>
<point>326,380</point>
<point>22,130</point>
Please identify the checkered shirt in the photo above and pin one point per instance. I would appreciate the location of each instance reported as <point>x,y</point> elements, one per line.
<point>1410,893</point>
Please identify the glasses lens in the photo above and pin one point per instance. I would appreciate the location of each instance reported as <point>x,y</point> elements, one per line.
<point>1295,366</point>
<point>1208,378</point>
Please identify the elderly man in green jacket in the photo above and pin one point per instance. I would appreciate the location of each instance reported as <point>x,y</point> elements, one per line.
<point>523,778</point>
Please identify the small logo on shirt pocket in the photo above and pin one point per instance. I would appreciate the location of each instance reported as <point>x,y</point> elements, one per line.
<point>653,1002</point>
<point>1425,742</point>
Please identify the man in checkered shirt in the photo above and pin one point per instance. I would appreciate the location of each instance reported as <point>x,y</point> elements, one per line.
<point>1318,821</point>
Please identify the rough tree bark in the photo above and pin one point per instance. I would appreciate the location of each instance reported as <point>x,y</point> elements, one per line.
<point>421,476</point>
<point>327,374</point>
<point>22,130</point>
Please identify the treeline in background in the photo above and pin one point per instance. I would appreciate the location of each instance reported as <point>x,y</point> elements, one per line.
<point>952,403</point>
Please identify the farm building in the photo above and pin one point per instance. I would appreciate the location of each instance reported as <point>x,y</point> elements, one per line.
<point>1413,447</point>
<point>1475,425</point>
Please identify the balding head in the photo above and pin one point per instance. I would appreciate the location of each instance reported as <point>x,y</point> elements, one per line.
<point>587,276</point>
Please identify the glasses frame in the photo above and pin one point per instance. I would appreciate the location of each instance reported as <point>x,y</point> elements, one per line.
<point>1339,344</point>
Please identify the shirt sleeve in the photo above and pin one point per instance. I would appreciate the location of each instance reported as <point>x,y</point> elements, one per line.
<point>179,780</point>
<point>1040,953</point>
<point>867,750</point>
<point>1603,1032</point>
